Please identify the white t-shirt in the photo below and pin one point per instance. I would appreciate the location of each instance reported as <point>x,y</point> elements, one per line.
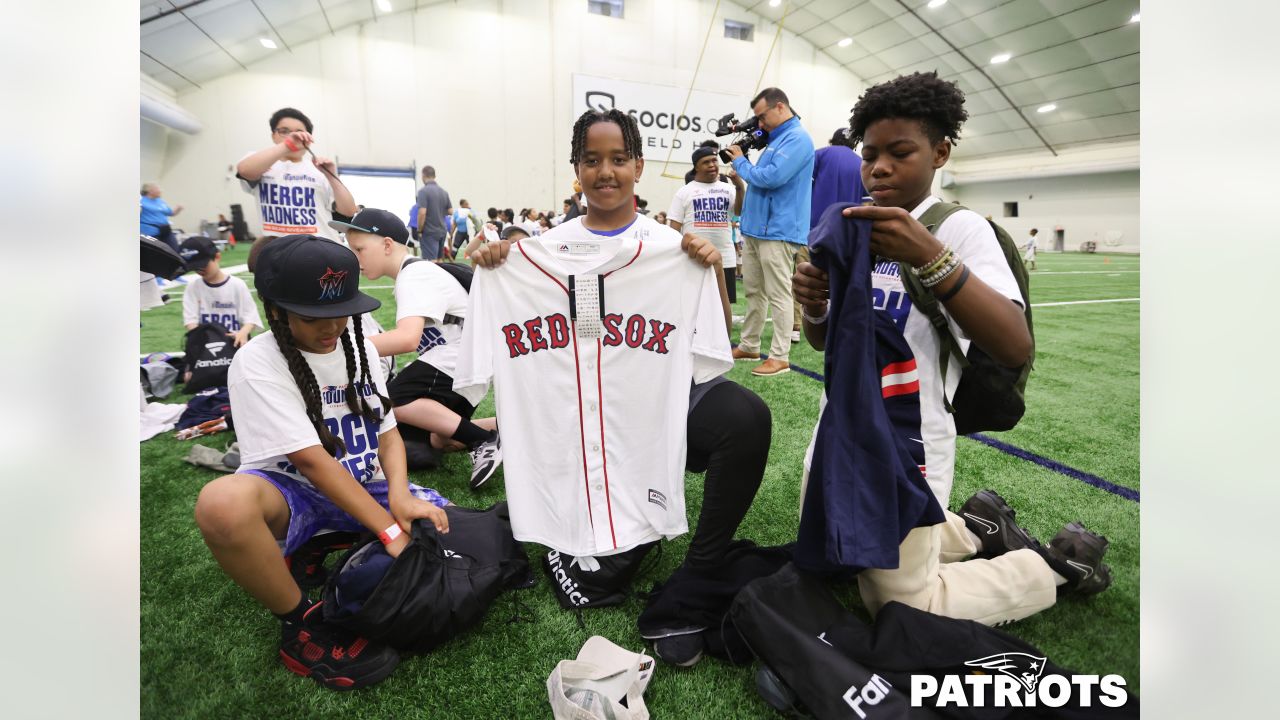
<point>593,428</point>
<point>426,291</point>
<point>971,237</point>
<point>228,303</point>
<point>271,416</point>
<point>704,209</point>
<point>294,198</point>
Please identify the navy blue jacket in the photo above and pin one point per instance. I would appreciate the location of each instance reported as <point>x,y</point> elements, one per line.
<point>866,490</point>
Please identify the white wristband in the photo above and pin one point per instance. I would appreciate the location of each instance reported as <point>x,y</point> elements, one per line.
<point>389,535</point>
<point>826,310</point>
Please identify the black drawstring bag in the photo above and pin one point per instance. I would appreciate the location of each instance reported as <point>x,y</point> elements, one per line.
<point>440,585</point>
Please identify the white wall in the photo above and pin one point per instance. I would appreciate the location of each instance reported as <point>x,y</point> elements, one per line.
<point>1087,207</point>
<point>481,90</point>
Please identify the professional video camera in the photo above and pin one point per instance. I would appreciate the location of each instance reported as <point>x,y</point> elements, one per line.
<point>752,137</point>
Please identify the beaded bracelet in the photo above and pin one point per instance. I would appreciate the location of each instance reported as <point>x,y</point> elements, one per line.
<point>924,269</point>
<point>932,269</point>
<point>953,263</point>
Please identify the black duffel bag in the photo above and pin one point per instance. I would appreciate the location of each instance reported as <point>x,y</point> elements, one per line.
<point>440,585</point>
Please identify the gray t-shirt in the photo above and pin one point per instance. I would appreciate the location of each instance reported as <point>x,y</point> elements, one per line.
<point>436,201</point>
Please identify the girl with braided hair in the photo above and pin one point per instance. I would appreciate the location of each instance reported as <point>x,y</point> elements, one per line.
<point>319,452</point>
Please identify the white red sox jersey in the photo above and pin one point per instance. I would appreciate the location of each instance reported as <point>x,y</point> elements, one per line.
<point>593,423</point>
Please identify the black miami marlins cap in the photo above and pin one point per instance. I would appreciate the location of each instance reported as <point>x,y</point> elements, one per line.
<point>375,222</point>
<point>197,251</point>
<point>311,276</point>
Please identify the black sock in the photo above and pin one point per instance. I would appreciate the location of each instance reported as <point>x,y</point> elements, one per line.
<point>412,433</point>
<point>295,615</point>
<point>471,435</point>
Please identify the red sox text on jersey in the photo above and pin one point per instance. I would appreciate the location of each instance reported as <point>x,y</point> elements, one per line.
<point>636,331</point>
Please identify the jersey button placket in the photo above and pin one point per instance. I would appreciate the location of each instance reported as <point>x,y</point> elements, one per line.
<point>594,447</point>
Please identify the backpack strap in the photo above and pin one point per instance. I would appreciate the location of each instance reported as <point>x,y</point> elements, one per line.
<point>447,319</point>
<point>924,299</point>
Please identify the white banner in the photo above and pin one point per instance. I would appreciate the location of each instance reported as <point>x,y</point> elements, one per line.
<point>667,126</point>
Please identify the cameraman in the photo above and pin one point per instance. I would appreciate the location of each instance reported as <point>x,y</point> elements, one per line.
<point>775,226</point>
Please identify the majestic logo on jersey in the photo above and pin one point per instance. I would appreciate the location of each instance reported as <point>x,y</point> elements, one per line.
<point>331,284</point>
<point>657,498</point>
<point>635,331</point>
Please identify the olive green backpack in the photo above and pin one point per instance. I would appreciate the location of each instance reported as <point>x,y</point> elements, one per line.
<point>990,396</point>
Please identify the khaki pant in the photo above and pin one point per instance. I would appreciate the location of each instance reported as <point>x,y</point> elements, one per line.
<point>1010,587</point>
<point>767,266</point>
<point>802,255</point>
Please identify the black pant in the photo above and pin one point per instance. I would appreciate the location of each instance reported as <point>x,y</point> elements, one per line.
<point>728,436</point>
<point>164,234</point>
<point>731,283</point>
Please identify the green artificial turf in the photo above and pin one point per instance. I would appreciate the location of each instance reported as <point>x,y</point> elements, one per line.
<point>208,651</point>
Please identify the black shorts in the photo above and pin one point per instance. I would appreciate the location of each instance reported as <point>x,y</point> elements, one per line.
<point>421,380</point>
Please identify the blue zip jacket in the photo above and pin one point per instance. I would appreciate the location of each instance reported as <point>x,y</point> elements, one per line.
<point>866,489</point>
<point>777,203</point>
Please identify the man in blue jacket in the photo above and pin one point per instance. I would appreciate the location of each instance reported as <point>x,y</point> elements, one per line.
<point>775,226</point>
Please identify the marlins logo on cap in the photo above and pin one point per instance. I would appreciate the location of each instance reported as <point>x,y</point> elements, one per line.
<point>331,284</point>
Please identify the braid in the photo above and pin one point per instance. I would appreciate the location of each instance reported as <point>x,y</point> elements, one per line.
<point>305,379</point>
<point>353,391</point>
<point>630,132</point>
<point>367,376</point>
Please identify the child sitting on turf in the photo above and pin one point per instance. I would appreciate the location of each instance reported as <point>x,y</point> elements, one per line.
<point>216,297</point>
<point>319,451</point>
<point>430,307</point>
<point>907,127</point>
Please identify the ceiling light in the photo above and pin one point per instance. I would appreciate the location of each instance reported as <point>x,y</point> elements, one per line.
<point>845,42</point>
<point>384,5</point>
<point>1046,108</point>
<point>267,43</point>
<point>775,3</point>
<point>1001,58</point>
<point>1135,18</point>
<point>937,3</point>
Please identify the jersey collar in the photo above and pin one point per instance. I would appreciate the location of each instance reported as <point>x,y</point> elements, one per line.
<point>628,250</point>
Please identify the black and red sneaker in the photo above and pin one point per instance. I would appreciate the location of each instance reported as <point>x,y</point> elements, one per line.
<point>306,564</point>
<point>336,658</point>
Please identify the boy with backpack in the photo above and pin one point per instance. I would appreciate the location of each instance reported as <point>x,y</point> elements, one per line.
<point>954,287</point>
<point>431,304</point>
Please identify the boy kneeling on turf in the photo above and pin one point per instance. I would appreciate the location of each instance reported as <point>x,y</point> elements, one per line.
<point>216,297</point>
<point>431,306</point>
<point>319,451</point>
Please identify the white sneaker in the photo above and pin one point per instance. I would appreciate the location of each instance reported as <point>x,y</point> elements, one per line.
<point>485,459</point>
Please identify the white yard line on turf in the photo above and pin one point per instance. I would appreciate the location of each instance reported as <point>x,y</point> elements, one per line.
<point>1083,302</point>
